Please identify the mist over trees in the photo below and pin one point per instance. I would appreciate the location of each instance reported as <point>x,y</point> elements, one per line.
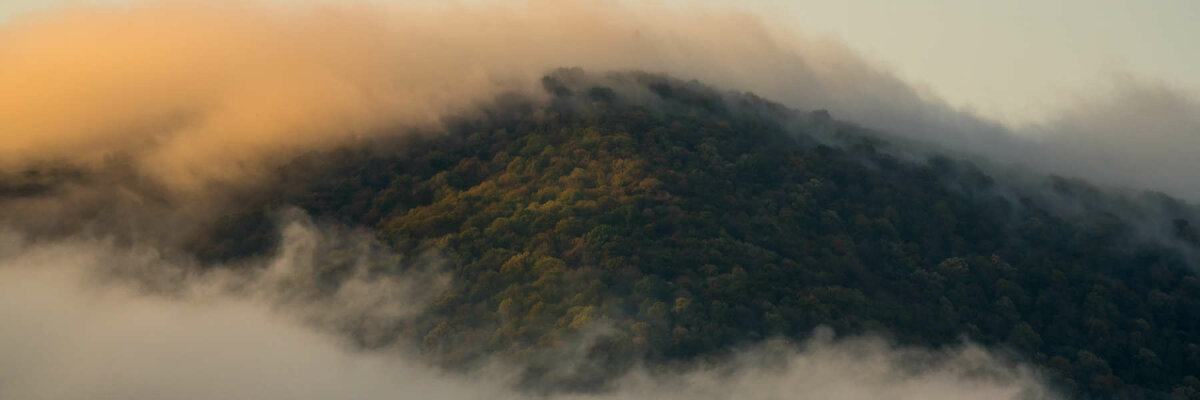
<point>391,200</point>
<point>672,222</point>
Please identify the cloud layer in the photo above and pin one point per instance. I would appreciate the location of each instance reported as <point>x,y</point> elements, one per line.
<point>199,92</point>
<point>88,320</point>
<point>1137,134</point>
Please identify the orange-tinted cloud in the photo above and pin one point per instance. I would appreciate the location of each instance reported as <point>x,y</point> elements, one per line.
<point>197,91</point>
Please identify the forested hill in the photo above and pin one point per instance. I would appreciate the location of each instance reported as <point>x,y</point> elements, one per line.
<point>685,221</point>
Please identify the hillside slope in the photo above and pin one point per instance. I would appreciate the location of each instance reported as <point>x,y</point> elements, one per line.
<point>674,221</point>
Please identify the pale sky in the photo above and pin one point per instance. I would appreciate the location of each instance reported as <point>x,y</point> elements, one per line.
<point>1012,60</point>
<point>1009,59</point>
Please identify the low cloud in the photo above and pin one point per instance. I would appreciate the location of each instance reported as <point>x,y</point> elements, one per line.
<point>192,93</point>
<point>1136,134</point>
<point>88,320</point>
<point>195,92</point>
<point>66,338</point>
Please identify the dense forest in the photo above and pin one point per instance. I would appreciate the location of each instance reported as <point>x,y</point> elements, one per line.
<point>680,221</point>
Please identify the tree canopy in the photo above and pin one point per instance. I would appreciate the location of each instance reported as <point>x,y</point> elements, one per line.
<point>686,220</point>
